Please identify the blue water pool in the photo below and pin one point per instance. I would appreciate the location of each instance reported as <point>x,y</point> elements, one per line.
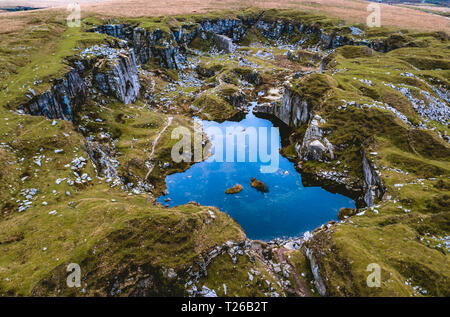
<point>287,210</point>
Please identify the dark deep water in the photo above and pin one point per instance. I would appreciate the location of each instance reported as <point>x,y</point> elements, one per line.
<point>287,210</point>
<point>19,8</point>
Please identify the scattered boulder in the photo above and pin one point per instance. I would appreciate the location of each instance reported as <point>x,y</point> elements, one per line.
<point>315,149</point>
<point>224,43</point>
<point>260,186</point>
<point>234,190</point>
<point>347,212</point>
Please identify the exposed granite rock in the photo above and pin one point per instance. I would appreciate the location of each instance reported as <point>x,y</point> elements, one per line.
<point>103,160</point>
<point>365,191</point>
<point>232,28</point>
<point>270,29</point>
<point>335,182</point>
<point>171,47</point>
<point>294,110</point>
<point>121,31</point>
<point>265,108</point>
<point>237,100</point>
<point>114,73</point>
<point>148,44</point>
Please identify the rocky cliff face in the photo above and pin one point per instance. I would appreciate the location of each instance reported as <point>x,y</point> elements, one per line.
<point>102,157</point>
<point>61,101</point>
<point>118,75</point>
<point>318,281</point>
<point>233,28</point>
<point>171,47</point>
<point>315,145</point>
<point>293,110</point>
<point>148,44</point>
<point>374,188</point>
<point>113,70</point>
<point>115,73</point>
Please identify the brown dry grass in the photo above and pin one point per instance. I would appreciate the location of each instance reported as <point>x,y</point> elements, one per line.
<point>349,10</point>
<point>433,8</point>
<point>16,21</point>
<point>354,11</point>
<point>10,22</point>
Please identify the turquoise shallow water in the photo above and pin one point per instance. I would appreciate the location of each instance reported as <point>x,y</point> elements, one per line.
<point>287,210</point>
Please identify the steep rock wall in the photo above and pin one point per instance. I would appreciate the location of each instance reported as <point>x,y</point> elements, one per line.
<point>114,73</point>
<point>170,47</point>
<point>315,145</point>
<point>374,187</point>
<point>121,78</point>
<point>293,110</point>
<point>61,101</point>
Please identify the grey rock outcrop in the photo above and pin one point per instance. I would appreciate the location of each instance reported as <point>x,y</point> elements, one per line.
<point>171,47</point>
<point>103,160</point>
<point>147,44</point>
<point>116,75</point>
<point>121,31</point>
<point>315,145</point>
<point>272,29</point>
<point>293,110</point>
<point>429,107</point>
<point>224,43</point>
<point>238,101</point>
<point>374,187</point>
<point>265,108</point>
<point>318,281</point>
<point>232,28</point>
<point>61,101</point>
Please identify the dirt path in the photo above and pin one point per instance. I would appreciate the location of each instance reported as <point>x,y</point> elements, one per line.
<point>155,142</point>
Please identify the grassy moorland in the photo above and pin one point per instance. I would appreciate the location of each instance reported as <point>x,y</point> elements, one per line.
<point>128,245</point>
<point>405,232</point>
